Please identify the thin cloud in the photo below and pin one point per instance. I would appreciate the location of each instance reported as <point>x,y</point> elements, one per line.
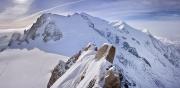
<point>19,8</point>
<point>107,9</point>
<point>50,9</point>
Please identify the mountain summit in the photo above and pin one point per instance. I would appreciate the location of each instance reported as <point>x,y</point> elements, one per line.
<point>143,60</point>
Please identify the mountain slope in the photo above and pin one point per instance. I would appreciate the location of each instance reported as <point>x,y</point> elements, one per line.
<point>73,29</point>
<point>141,58</point>
<point>89,70</point>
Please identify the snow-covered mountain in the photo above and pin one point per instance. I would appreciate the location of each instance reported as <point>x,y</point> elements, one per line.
<point>92,69</point>
<point>4,40</point>
<point>143,60</point>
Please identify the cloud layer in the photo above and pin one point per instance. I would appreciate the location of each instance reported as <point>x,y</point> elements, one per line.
<point>17,9</point>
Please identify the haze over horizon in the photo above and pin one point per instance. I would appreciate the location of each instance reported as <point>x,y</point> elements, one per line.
<point>160,17</point>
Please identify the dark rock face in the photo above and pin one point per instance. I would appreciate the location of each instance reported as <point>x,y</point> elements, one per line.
<point>111,54</point>
<point>130,49</point>
<point>51,32</point>
<point>107,51</point>
<point>61,67</point>
<point>112,80</point>
<point>134,52</point>
<point>147,62</point>
<point>113,77</point>
<point>57,72</point>
<point>31,33</point>
<point>101,52</point>
<point>49,29</point>
<point>15,37</point>
<point>91,84</point>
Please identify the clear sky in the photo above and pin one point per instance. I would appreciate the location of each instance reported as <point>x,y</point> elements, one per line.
<point>161,17</point>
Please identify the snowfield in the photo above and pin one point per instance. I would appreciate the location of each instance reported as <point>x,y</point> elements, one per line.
<point>27,68</point>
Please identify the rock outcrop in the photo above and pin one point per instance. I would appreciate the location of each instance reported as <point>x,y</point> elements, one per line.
<point>106,50</point>
<point>61,67</point>
<point>57,72</point>
<point>94,62</point>
<point>112,80</point>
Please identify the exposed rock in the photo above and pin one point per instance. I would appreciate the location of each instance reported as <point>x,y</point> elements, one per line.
<point>57,72</point>
<point>112,80</point>
<point>51,32</point>
<point>130,49</point>
<point>15,37</point>
<point>111,54</point>
<point>108,51</point>
<point>147,62</point>
<point>101,52</point>
<point>92,83</point>
<point>61,68</point>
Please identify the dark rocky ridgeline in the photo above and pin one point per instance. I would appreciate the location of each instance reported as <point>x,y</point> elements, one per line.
<point>57,72</point>
<point>112,80</point>
<point>14,38</point>
<point>113,77</point>
<point>49,29</point>
<point>108,51</point>
<point>61,67</point>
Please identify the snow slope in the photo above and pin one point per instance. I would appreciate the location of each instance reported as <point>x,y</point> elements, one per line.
<point>90,70</point>
<point>73,29</point>
<point>26,69</point>
<point>142,59</point>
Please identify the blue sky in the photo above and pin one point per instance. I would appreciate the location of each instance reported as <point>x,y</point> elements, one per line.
<point>110,9</point>
<point>139,13</point>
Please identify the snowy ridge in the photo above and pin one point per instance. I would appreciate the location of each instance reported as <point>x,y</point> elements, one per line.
<point>62,67</point>
<point>91,70</point>
<point>141,58</point>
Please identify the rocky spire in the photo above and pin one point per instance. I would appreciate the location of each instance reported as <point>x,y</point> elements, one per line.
<point>107,51</point>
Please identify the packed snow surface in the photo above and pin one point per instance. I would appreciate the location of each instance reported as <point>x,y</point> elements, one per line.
<point>26,68</point>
